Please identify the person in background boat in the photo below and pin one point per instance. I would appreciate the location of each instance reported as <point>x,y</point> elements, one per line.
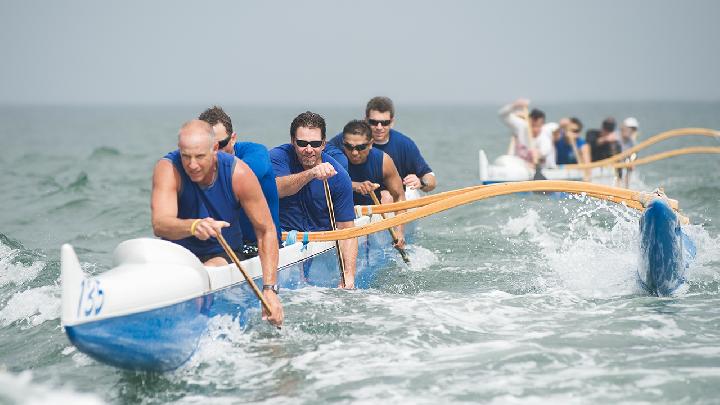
<point>412,167</point>
<point>371,170</point>
<point>628,138</point>
<point>604,143</point>
<point>568,133</point>
<point>198,192</point>
<point>513,115</point>
<point>300,168</point>
<point>257,158</point>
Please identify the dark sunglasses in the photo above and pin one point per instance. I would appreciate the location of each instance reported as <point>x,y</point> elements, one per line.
<point>358,148</point>
<point>313,144</point>
<point>575,130</point>
<point>224,142</point>
<point>374,123</point>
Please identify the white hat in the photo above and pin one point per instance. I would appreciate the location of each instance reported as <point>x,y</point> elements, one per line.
<point>631,122</point>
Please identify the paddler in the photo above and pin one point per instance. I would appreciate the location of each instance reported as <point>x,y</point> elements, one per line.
<point>257,158</point>
<point>198,191</point>
<point>371,170</point>
<point>300,168</point>
<point>540,148</point>
<point>412,167</point>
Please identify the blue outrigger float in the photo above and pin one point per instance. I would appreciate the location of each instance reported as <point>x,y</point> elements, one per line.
<point>151,309</point>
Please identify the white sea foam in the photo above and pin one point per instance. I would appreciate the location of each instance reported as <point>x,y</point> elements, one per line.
<point>21,389</point>
<point>420,258</point>
<point>32,307</point>
<point>16,273</point>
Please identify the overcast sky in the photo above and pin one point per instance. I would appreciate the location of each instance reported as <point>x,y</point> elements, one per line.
<point>343,52</point>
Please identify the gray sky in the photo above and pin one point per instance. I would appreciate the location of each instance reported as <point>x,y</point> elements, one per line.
<point>343,52</point>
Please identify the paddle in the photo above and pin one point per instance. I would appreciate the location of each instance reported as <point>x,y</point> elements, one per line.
<point>531,142</point>
<point>393,235</point>
<point>331,211</point>
<point>249,280</point>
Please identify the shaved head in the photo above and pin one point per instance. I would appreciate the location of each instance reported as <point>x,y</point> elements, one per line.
<point>196,131</point>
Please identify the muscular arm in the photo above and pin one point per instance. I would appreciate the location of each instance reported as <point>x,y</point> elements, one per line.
<point>292,183</point>
<point>430,182</point>
<point>163,203</point>
<point>248,192</point>
<point>348,250</point>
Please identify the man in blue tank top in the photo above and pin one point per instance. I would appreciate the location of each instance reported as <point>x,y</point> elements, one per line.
<point>254,155</point>
<point>371,170</point>
<point>300,168</point>
<point>198,192</point>
<point>412,167</point>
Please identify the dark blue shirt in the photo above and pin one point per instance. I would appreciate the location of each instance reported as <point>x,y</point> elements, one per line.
<point>216,200</point>
<point>257,158</point>
<point>337,153</point>
<point>403,151</point>
<point>370,170</point>
<point>307,209</point>
<point>564,154</point>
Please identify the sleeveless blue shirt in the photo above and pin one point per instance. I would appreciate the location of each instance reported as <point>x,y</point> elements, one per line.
<point>403,151</point>
<point>370,170</point>
<point>257,158</point>
<point>220,195</point>
<point>307,209</point>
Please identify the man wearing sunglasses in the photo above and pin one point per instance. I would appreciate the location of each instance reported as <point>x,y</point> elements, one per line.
<point>371,170</point>
<point>300,168</point>
<point>254,155</point>
<point>197,192</point>
<point>412,167</point>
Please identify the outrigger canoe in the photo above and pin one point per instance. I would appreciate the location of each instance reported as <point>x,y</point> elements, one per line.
<point>150,310</point>
<point>510,168</point>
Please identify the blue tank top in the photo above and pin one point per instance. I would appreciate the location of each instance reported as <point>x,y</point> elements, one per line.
<point>193,202</point>
<point>370,170</point>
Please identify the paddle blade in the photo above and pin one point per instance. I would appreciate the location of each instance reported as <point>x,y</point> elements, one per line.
<point>538,173</point>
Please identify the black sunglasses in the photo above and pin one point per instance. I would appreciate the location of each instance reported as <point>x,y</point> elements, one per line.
<point>224,142</point>
<point>358,148</point>
<point>374,123</point>
<point>313,144</point>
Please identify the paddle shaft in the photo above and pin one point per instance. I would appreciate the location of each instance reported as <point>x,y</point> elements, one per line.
<point>393,235</point>
<point>249,280</point>
<point>331,211</point>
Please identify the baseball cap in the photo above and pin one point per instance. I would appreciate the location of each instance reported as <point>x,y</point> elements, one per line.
<point>630,122</point>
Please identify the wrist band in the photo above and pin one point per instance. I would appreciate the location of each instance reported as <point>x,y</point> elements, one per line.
<point>193,226</point>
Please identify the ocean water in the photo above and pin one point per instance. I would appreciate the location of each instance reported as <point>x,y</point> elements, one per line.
<point>520,299</point>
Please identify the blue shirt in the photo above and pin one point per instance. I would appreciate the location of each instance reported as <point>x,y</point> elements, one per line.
<point>403,151</point>
<point>336,152</point>
<point>257,158</point>
<point>216,200</point>
<point>307,209</point>
<point>372,170</point>
<point>564,154</point>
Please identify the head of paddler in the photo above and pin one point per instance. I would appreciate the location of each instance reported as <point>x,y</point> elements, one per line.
<point>307,135</point>
<point>380,115</point>
<point>198,151</point>
<point>537,120</point>
<point>222,125</point>
<point>357,141</point>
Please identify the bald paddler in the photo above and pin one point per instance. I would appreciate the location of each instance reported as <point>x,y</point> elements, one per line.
<point>198,192</point>
<point>257,158</point>
<point>371,170</point>
<point>300,168</point>
<point>412,167</point>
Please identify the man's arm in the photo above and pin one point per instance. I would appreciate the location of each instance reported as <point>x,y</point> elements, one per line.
<point>393,184</point>
<point>348,250</point>
<point>292,183</point>
<point>248,192</point>
<point>517,125</point>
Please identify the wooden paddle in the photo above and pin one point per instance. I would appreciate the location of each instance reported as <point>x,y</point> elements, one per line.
<point>393,235</point>
<point>249,280</point>
<point>331,211</point>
